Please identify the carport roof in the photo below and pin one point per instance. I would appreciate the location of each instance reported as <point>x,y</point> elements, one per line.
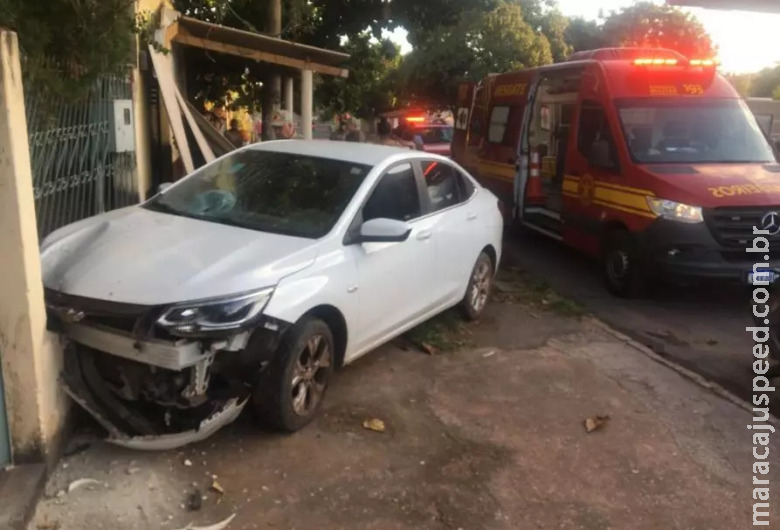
<point>214,37</point>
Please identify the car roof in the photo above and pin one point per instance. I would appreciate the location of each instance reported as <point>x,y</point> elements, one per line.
<point>352,152</point>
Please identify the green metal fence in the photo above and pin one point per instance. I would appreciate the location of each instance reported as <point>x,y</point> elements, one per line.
<point>75,172</point>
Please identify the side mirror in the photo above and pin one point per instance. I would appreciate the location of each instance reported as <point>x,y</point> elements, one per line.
<point>600,155</point>
<point>164,186</point>
<point>383,231</point>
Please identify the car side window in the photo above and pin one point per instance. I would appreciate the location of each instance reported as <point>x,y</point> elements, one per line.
<point>395,197</point>
<point>445,185</point>
<point>594,138</point>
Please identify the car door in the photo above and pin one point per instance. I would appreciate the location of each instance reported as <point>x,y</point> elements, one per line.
<point>457,233</point>
<point>394,279</point>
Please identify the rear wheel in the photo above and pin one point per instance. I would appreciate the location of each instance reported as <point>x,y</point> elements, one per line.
<point>623,272</point>
<point>479,287</point>
<point>290,392</point>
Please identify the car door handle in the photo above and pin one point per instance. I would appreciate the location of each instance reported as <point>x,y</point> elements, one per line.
<point>471,216</point>
<point>423,235</point>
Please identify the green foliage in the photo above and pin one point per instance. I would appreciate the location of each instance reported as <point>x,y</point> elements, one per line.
<point>370,88</point>
<point>652,25</point>
<point>766,82</point>
<point>742,83</point>
<point>481,43</point>
<point>584,35</point>
<point>67,44</point>
<point>776,94</point>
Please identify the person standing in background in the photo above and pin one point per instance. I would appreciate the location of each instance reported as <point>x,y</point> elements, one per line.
<point>234,134</point>
<point>354,134</point>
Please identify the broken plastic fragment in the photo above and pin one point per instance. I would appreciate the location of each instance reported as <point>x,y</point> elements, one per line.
<point>76,484</point>
<point>218,526</point>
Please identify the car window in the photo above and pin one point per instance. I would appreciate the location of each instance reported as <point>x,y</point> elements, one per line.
<point>281,193</point>
<point>445,185</point>
<point>594,138</point>
<point>395,197</point>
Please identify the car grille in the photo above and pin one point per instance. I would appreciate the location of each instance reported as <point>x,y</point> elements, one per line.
<point>733,227</point>
<point>124,317</point>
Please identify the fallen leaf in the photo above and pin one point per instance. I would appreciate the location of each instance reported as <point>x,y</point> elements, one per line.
<point>489,354</point>
<point>595,423</point>
<point>76,484</point>
<point>712,342</point>
<point>216,487</point>
<point>374,425</point>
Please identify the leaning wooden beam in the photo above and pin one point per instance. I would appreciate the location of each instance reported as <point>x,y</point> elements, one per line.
<point>203,145</point>
<point>163,67</point>
<point>231,49</point>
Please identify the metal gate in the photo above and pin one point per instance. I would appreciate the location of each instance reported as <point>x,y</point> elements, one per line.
<point>75,174</point>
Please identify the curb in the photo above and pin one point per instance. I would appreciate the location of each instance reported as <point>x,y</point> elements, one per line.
<point>700,380</point>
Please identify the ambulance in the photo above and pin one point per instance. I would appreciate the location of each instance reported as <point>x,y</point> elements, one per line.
<point>642,158</point>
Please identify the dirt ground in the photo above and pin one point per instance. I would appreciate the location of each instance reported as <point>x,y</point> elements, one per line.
<point>487,437</point>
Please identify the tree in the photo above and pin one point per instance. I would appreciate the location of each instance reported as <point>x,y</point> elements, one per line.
<point>481,43</point>
<point>766,82</point>
<point>584,35</point>
<point>742,83</point>
<point>646,24</point>
<point>371,87</point>
<point>67,44</point>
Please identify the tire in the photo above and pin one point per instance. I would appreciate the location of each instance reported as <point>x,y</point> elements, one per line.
<point>623,271</point>
<point>289,393</point>
<point>479,287</point>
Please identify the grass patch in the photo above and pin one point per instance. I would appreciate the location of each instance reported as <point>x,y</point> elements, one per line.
<point>515,285</point>
<point>446,332</point>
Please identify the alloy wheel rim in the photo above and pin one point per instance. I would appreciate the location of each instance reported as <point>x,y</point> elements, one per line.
<point>618,265</point>
<point>310,375</point>
<point>480,288</point>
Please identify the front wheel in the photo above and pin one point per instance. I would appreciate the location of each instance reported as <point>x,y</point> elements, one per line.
<point>290,392</point>
<point>479,287</point>
<point>623,273</point>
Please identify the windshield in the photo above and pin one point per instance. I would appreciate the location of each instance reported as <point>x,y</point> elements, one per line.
<point>692,131</point>
<point>271,192</point>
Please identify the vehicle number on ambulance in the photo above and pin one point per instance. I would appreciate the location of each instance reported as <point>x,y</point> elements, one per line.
<point>693,90</point>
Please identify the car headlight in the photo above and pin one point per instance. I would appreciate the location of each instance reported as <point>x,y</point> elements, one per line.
<point>675,211</point>
<point>223,314</point>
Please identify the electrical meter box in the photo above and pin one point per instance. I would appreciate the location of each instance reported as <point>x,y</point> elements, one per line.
<point>122,129</point>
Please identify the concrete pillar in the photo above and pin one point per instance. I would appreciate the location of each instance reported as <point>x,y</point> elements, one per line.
<point>307,102</point>
<point>31,357</point>
<point>289,94</point>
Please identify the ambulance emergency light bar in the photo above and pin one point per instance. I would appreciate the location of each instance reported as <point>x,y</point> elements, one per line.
<point>659,61</point>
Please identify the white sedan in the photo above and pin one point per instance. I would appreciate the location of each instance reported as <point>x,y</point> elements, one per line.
<point>253,278</point>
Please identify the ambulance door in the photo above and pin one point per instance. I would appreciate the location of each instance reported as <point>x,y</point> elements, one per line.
<point>593,181</point>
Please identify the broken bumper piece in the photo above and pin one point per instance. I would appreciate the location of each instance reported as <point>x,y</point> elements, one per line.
<point>149,405</point>
<point>207,427</point>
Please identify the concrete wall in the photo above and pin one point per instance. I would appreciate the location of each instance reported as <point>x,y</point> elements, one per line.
<point>31,357</point>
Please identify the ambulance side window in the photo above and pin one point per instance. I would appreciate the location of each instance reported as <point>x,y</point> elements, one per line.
<point>594,139</point>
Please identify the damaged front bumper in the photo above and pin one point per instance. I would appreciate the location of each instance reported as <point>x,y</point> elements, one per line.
<point>160,392</point>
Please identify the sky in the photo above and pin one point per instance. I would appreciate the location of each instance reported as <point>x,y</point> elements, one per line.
<point>747,42</point>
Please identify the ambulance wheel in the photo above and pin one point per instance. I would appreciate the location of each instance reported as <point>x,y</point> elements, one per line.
<point>623,274</point>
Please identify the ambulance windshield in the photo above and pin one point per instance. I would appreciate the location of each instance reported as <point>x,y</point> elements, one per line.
<point>692,131</point>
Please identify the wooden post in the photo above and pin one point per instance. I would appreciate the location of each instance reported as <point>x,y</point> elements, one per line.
<point>307,101</point>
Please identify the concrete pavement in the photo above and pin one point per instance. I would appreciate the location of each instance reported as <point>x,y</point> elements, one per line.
<point>488,437</point>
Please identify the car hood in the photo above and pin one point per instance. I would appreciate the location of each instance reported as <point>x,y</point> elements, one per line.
<point>138,256</point>
<point>714,185</point>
